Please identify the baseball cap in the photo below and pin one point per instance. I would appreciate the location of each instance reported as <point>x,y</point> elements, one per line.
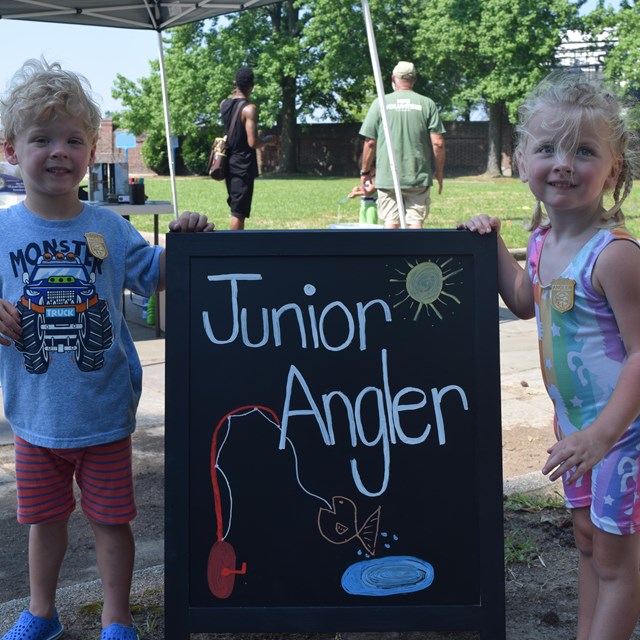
<point>404,70</point>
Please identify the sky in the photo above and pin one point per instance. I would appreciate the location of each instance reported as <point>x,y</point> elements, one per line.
<point>98,53</point>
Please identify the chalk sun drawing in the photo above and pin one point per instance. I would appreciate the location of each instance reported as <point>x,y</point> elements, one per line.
<point>424,285</point>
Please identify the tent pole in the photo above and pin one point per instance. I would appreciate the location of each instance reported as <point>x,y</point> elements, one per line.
<point>373,50</point>
<point>167,126</point>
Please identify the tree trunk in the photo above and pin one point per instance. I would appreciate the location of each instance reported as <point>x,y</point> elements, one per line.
<point>494,155</point>
<point>288,160</point>
<point>285,18</point>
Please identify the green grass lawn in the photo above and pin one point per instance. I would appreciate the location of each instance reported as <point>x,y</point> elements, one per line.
<point>312,203</point>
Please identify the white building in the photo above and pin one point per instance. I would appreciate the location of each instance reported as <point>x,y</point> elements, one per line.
<point>579,50</point>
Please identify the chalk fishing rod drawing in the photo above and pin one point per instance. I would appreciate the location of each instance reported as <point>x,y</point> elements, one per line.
<point>338,523</point>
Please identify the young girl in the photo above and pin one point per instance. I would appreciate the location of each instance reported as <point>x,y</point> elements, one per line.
<point>583,284</point>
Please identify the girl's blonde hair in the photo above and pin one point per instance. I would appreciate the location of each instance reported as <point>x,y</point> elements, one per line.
<point>569,97</point>
<point>39,91</point>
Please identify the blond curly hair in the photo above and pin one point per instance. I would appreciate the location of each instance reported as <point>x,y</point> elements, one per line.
<point>40,91</point>
<point>566,99</point>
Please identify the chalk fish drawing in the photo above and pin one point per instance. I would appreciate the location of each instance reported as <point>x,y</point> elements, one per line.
<point>340,524</point>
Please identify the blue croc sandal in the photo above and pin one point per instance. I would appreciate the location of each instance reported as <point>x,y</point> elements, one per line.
<point>30,627</point>
<point>117,631</point>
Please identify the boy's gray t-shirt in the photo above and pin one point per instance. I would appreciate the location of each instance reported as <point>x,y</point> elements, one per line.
<point>77,379</point>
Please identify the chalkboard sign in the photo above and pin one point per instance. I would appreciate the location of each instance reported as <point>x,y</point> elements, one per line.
<point>333,442</point>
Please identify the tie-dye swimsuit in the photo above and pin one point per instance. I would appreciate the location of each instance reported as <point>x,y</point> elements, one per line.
<point>581,355</point>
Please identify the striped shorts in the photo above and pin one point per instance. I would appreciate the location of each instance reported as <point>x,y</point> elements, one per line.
<point>44,479</point>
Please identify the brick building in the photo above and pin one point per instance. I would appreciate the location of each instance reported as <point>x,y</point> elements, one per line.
<point>108,152</point>
<point>333,150</point>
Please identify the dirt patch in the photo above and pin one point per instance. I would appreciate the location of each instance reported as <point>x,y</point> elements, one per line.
<point>540,578</point>
<point>541,600</point>
<point>541,589</point>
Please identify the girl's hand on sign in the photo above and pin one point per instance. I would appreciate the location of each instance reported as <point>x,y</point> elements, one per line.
<point>481,224</point>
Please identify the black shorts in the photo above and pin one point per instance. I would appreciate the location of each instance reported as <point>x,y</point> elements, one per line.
<point>240,190</point>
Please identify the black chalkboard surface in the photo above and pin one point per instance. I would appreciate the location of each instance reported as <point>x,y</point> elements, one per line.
<point>333,443</point>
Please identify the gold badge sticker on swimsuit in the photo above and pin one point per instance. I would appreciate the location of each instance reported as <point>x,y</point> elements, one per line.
<point>97,245</point>
<point>562,294</point>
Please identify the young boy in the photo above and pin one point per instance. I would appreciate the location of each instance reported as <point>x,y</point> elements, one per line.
<point>70,374</point>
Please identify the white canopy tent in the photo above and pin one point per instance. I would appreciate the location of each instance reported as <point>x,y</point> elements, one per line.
<point>157,15</point>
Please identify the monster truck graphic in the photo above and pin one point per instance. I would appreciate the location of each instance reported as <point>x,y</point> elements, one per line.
<point>61,312</point>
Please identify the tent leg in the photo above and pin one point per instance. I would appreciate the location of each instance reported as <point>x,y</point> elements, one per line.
<point>373,50</point>
<point>167,126</point>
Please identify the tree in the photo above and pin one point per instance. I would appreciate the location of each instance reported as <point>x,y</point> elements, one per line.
<point>617,34</point>
<point>309,57</point>
<point>339,83</point>
<point>144,113</point>
<point>201,60</point>
<point>622,63</point>
<point>490,53</point>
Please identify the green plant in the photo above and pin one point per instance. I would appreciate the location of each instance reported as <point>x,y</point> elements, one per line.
<point>534,501</point>
<point>91,609</point>
<point>519,547</point>
<point>154,152</point>
<point>147,620</point>
<point>195,149</point>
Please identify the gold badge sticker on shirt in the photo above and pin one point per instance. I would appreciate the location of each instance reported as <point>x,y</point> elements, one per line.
<point>562,294</point>
<point>97,245</point>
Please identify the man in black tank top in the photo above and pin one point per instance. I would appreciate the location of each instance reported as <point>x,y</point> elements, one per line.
<point>242,166</point>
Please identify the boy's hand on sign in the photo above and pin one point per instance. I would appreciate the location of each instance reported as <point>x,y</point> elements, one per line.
<point>191,221</point>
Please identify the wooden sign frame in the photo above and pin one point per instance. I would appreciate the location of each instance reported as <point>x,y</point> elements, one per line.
<point>307,489</point>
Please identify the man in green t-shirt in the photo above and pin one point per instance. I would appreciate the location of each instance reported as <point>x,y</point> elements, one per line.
<point>416,133</point>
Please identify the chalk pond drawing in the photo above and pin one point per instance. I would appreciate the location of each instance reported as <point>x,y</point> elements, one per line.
<point>388,576</point>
